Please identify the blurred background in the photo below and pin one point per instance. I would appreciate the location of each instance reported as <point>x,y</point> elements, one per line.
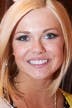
<point>67,81</point>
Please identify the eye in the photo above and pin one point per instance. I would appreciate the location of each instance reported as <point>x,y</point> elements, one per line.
<point>23,38</point>
<point>50,36</point>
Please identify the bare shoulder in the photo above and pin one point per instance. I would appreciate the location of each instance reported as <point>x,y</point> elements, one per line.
<point>4,103</point>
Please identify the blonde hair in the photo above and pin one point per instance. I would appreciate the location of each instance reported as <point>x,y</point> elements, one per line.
<point>8,23</point>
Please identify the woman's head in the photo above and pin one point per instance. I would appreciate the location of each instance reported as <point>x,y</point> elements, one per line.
<point>58,41</point>
<point>38,44</point>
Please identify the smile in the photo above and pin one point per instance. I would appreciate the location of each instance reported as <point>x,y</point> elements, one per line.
<point>38,62</point>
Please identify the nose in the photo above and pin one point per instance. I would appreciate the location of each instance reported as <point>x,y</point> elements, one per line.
<point>38,47</point>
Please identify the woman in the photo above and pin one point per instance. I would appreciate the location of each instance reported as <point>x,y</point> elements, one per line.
<point>35,52</point>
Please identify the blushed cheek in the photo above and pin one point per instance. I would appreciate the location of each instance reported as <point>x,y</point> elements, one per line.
<point>59,54</point>
<point>55,51</point>
<point>20,52</point>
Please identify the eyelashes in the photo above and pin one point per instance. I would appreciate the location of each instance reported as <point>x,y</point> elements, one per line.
<point>50,36</point>
<point>23,38</point>
<point>46,36</point>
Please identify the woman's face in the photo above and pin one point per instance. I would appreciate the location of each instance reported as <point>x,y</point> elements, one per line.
<point>38,44</point>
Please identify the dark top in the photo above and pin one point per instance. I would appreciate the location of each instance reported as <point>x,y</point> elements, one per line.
<point>66,105</point>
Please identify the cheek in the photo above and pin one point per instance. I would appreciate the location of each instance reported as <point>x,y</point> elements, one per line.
<point>58,52</point>
<point>19,52</point>
<point>55,51</point>
<point>58,57</point>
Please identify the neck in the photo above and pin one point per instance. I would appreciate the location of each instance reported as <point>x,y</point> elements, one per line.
<point>35,92</point>
<point>28,84</point>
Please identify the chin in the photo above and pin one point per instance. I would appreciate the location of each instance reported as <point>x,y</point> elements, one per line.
<point>40,76</point>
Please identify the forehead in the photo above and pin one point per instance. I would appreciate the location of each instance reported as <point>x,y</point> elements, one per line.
<point>39,18</point>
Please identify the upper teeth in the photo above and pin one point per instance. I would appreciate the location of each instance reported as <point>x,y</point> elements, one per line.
<point>38,61</point>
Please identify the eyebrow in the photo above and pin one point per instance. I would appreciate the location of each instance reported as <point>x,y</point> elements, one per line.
<point>48,29</point>
<point>27,32</point>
